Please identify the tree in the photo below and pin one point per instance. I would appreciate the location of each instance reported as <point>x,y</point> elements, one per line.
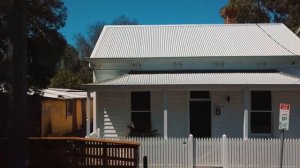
<point>285,11</point>
<point>245,11</point>
<point>16,116</point>
<point>85,44</point>
<point>45,45</point>
<point>72,71</point>
<point>264,11</point>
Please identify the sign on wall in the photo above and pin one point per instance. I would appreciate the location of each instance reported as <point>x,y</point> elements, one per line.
<point>284,116</point>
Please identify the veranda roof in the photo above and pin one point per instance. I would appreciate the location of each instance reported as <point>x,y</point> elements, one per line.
<point>206,78</point>
<point>196,40</point>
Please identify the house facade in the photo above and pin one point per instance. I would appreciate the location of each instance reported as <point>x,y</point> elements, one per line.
<point>205,80</point>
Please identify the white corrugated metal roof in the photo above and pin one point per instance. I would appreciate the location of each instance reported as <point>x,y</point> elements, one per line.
<point>147,41</point>
<point>59,93</point>
<point>230,78</point>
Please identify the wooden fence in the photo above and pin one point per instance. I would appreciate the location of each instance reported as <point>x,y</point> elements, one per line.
<point>81,153</point>
<point>217,152</point>
<point>172,152</point>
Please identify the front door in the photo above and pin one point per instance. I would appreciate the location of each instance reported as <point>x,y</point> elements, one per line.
<point>200,118</point>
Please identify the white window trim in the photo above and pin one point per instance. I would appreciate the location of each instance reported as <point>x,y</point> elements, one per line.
<point>261,135</point>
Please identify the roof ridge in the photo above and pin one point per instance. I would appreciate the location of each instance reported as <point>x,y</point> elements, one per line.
<point>190,25</point>
<point>258,25</point>
<point>202,71</point>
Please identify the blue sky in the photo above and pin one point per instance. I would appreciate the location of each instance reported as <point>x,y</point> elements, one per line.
<point>82,13</point>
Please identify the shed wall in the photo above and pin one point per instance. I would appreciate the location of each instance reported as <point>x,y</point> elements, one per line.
<point>55,122</point>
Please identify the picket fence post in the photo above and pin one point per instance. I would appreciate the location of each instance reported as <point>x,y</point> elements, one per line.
<point>190,150</point>
<point>225,151</point>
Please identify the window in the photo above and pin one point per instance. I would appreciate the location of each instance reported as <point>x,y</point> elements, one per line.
<point>70,107</point>
<point>261,112</point>
<point>140,111</point>
<point>199,94</point>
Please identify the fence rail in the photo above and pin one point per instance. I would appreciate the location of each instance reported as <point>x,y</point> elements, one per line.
<point>217,152</point>
<point>165,153</point>
<point>250,153</point>
<point>262,153</point>
<point>172,152</point>
<point>81,152</point>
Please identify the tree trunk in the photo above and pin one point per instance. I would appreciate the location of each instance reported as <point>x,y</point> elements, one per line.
<point>17,116</point>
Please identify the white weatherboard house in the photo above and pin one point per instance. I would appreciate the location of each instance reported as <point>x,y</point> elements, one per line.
<point>205,80</point>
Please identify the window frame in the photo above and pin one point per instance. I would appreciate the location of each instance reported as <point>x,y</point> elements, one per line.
<point>148,112</point>
<point>262,134</point>
<point>70,107</point>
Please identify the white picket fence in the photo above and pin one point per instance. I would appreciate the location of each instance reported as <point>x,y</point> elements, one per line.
<point>217,152</point>
<point>165,153</point>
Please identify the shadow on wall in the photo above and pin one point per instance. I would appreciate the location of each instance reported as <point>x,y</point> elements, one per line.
<point>108,130</point>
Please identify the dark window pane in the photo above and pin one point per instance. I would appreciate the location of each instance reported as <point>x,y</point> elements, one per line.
<point>140,101</point>
<point>70,107</point>
<point>261,122</point>
<point>199,94</point>
<point>261,100</point>
<point>141,121</point>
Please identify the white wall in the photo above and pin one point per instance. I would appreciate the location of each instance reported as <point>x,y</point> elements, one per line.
<point>101,75</point>
<point>230,121</point>
<point>157,115</point>
<point>177,114</point>
<point>117,106</point>
<point>292,97</point>
<point>111,68</point>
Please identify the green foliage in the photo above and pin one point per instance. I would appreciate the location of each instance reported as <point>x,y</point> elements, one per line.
<point>264,11</point>
<point>284,11</point>
<point>247,11</point>
<point>44,41</point>
<point>44,55</point>
<point>72,71</point>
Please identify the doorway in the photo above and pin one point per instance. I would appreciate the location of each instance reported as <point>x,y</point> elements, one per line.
<point>200,114</point>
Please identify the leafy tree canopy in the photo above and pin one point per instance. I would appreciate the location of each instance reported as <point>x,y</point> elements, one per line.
<point>72,71</point>
<point>45,44</point>
<point>285,11</point>
<point>246,11</point>
<point>262,11</point>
